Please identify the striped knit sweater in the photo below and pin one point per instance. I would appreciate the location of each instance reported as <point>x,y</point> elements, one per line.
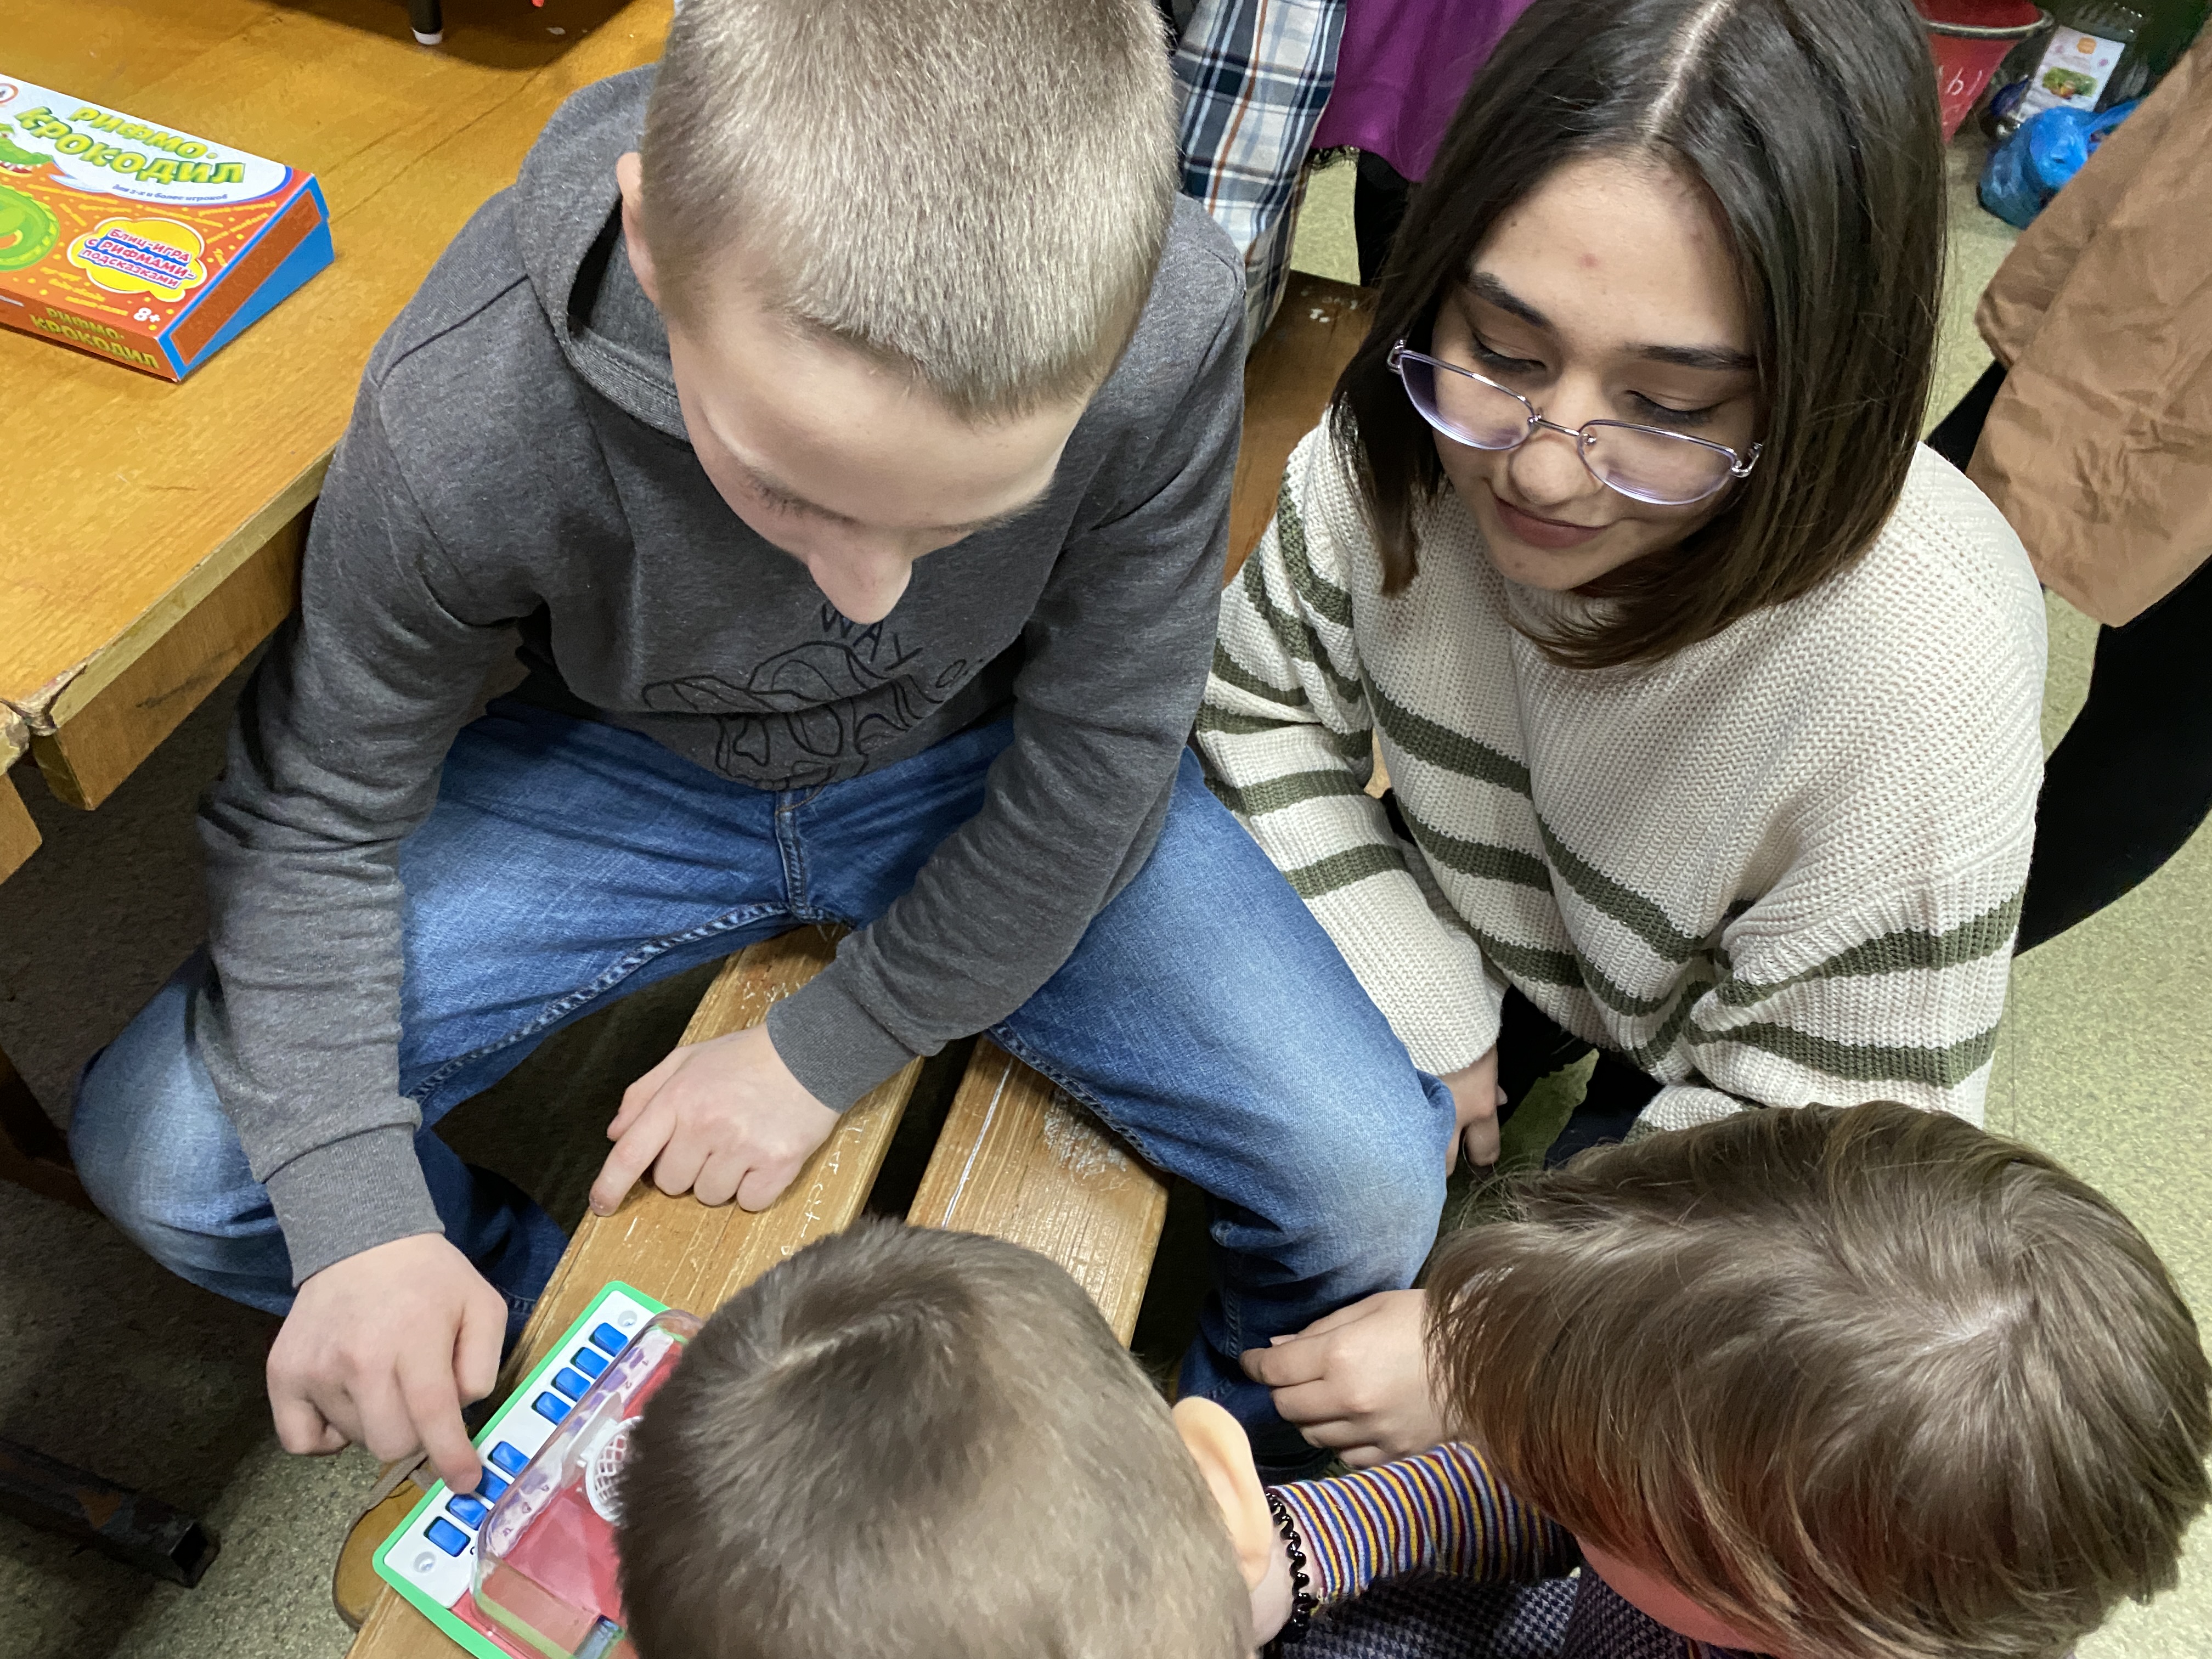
<point>1783,866</point>
<point>1445,1513</point>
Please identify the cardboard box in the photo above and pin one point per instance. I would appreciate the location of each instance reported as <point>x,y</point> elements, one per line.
<point>150,246</point>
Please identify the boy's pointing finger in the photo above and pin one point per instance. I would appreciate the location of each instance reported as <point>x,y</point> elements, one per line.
<point>632,1156</point>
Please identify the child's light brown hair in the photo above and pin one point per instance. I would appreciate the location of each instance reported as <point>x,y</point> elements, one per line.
<point>904,1443</point>
<point>975,194</point>
<point>1869,1380</point>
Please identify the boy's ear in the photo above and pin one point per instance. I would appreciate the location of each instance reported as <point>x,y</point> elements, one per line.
<point>1218,1443</point>
<point>630,174</point>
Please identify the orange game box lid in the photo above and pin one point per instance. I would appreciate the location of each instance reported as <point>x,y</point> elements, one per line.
<point>154,247</point>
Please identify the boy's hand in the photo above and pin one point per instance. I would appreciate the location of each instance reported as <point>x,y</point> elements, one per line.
<point>721,1119</point>
<point>1475,1092</point>
<point>383,1349</point>
<point>1357,1381</point>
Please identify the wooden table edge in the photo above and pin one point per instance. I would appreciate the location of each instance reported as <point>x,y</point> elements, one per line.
<point>19,835</point>
<point>53,705</point>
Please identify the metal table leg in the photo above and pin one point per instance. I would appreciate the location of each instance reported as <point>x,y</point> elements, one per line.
<point>139,1531</point>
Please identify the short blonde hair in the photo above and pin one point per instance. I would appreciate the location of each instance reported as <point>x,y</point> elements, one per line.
<point>1869,1381</point>
<point>977,190</point>
<point>904,1443</point>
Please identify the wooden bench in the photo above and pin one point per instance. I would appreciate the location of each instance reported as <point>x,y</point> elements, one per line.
<point>1287,380</point>
<point>1018,1158</point>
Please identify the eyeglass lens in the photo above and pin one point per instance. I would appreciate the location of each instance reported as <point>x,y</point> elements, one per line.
<point>1659,467</point>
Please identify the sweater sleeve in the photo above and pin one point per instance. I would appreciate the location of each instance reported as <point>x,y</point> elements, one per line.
<point>1287,735</point>
<point>1900,1000</point>
<point>333,758</point>
<point>1874,965</point>
<point>1441,1511</point>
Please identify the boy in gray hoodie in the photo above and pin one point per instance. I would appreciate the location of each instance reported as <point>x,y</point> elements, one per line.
<point>843,417</point>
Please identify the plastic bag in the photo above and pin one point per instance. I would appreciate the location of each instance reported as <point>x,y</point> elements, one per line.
<point>2027,170</point>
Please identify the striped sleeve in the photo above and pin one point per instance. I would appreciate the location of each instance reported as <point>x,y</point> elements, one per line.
<point>1442,1512</point>
<point>1286,731</point>
<point>1904,1004</point>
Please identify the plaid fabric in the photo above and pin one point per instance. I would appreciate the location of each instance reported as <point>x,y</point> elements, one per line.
<point>1256,74</point>
<point>1432,1617</point>
<point>1603,1626</point>
<point>1436,1617</point>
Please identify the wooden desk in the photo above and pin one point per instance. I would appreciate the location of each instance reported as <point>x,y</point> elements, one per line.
<point>19,836</point>
<point>153,532</point>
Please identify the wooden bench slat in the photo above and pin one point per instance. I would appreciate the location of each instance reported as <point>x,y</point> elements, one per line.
<point>1288,378</point>
<point>679,1250</point>
<point>1018,1158</point>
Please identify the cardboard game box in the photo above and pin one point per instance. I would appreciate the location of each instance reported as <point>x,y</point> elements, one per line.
<point>149,246</point>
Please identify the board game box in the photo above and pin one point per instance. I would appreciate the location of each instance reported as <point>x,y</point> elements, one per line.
<point>149,246</point>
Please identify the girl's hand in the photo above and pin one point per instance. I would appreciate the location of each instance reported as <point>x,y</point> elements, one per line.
<point>1475,1092</point>
<point>1357,1381</point>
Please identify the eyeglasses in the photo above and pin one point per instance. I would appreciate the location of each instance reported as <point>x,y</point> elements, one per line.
<point>1646,463</point>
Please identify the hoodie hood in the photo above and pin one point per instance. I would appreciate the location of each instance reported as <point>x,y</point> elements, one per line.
<point>567,221</point>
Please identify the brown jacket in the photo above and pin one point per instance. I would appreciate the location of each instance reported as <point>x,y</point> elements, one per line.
<point>2099,447</point>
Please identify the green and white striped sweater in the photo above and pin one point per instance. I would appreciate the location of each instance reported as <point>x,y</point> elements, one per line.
<point>1783,866</point>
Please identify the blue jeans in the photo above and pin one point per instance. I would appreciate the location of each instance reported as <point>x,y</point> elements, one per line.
<point>1205,1017</point>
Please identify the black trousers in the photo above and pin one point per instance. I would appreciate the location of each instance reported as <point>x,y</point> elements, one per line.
<point>1379,194</point>
<point>2132,780</point>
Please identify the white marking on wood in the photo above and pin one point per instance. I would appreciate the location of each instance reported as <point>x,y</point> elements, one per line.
<point>990,1112</point>
<point>1077,1145</point>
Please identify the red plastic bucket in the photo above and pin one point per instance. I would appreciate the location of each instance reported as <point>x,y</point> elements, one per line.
<point>1970,39</point>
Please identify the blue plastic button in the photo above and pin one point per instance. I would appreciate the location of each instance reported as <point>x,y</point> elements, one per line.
<point>446,1536</point>
<point>572,1383</point>
<point>584,1360</point>
<point>490,1486</point>
<point>508,1458</point>
<point>469,1511</point>
<point>607,1337</point>
<point>550,1406</point>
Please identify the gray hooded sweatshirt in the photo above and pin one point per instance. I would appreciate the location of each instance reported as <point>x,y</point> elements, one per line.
<point>516,461</point>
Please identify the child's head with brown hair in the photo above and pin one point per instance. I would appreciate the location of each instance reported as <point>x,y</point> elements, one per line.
<point>1703,239</point>
<point>1863,1383</point>
<point>904,1443</point>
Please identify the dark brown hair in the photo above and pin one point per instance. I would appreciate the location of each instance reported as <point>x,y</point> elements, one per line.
<point>1868,1379</point>
<point>1812,127</point>
<point>904,1443</point>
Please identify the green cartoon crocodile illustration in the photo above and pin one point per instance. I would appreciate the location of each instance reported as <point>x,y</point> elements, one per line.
<point>28,230</point>
<point>13,157</point>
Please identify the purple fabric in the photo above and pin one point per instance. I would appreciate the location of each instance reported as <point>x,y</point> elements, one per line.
<point>1402,70</point>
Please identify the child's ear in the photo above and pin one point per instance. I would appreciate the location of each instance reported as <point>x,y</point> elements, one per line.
<point>1218,1442</point>
<point>630,174</point>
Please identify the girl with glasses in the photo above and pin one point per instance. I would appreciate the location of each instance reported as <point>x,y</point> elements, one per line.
<point>1709,700</point>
